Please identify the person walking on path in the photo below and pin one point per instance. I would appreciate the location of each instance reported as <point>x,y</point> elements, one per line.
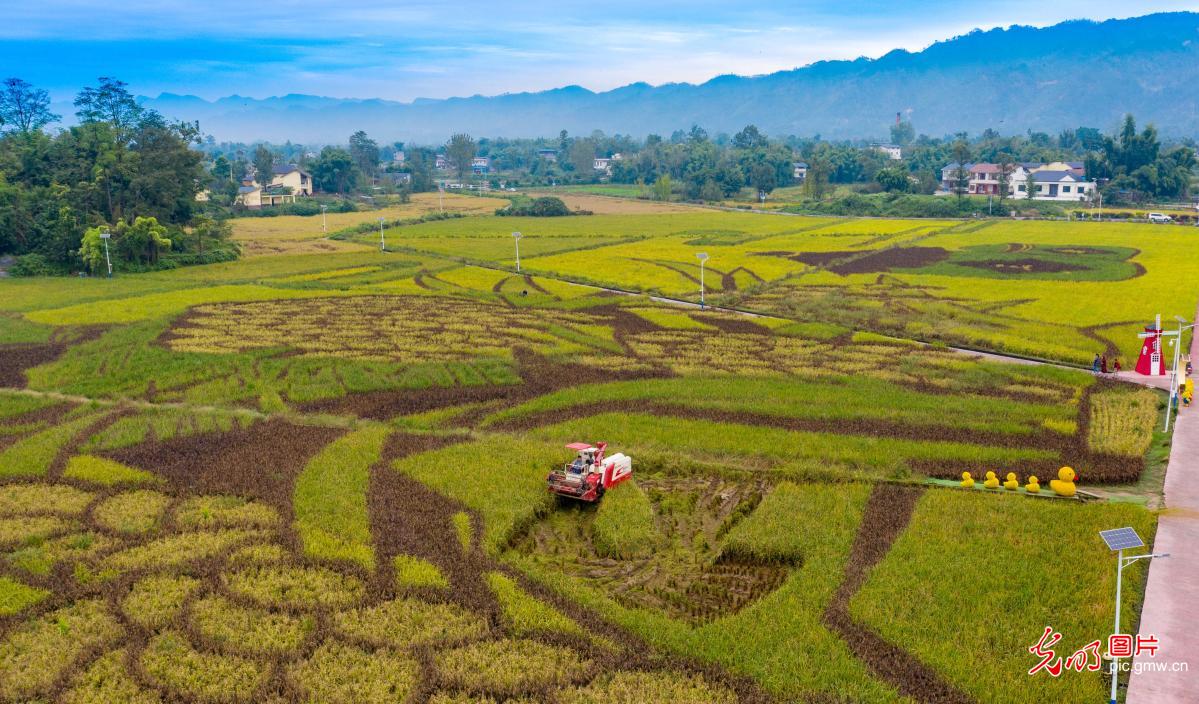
<point>1095,364</point>
<point>1116,364</point>
<point>1103,364</point>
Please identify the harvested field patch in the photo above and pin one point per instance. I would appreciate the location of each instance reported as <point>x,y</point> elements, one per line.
<point>675,568</point>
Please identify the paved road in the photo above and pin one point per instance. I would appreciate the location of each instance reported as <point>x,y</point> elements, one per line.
<point>1171,610</point>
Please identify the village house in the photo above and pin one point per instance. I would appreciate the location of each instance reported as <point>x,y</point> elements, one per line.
<point>893,151</point>
<point>1060,180</point>
<point>480,165</point>
<point>291,176</point>
<point>602,164</point>
<point>550,155</point>
<point>441,162</point>
<point>1055,185</point>
<point>799,170</point>
<point>255,196</point>
<point>399,157</point>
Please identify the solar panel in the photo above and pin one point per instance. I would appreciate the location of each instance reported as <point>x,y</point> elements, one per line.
<point>1121,538</point>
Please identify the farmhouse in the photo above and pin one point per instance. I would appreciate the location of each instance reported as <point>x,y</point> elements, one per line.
<point>893,151</point>
<point>799,170</point>
<point>1055,185</point>
<point>984,179</point>
<point>441,162</point>
<point>1060,180</point>
<point>602,164</point>
<point>480,165</point>
<point>291,176</point>
<point>550,155</point>
<point>255,196</point>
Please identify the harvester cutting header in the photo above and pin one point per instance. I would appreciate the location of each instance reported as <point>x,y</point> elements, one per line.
<point>591,473</point>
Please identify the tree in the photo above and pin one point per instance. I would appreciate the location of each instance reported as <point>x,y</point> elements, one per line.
<point>460,151</point>
<point>582,157</point>
<point>662,188</point>
<point>264,165</point>
<point>1006,166</point>
<point>815,185</point>
<point>213,230</point>
<point>763,178</point>
<point>961,172</point>
<point>110,102</point>
<point>365,152</point>
<point>902,133</point>
<point>749,138</point>
<point>142,241</point>
<point>893,179</point>
<point>334,171</point>
<point>91,249</point>
<point>24,107</point>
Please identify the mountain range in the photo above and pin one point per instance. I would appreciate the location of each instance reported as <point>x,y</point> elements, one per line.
<point>1011,79</point>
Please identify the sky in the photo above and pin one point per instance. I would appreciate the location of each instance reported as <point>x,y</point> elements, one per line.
<point>406,50</point>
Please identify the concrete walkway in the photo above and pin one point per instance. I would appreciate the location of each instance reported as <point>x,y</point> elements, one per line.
<point>1171,610</point>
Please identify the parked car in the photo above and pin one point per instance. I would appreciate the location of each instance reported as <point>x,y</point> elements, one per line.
<point>1160,218</point>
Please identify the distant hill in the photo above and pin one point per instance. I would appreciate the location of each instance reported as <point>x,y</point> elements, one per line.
<point>1016,79</point>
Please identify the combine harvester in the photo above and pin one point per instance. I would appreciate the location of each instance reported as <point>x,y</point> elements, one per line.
<point>591,473</point>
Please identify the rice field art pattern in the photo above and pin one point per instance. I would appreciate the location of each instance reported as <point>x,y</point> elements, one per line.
<point>198,584</point>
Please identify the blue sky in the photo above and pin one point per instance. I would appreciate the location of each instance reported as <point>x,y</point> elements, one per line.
<point>405,50</point>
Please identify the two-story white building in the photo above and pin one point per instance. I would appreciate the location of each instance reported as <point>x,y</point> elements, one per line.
<point>293,177</point>
<point>893,151</point>
<point>1054,185</point>
<point>799,170</point>
<point>480,165</point>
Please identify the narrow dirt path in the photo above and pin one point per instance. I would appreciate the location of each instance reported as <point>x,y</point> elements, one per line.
<point>887,513</point>
<point>1172,592</point>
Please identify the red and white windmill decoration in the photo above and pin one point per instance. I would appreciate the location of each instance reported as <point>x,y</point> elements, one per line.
<point>1150,361</point>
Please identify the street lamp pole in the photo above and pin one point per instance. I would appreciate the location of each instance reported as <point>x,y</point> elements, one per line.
<point>324,224</point>
<point>1121,563</point>
<point>516,238</point>
<point>382,242</point>
<point>702,257</point>
<point>1177,342</point>
<point>106,235</point>
<point>1118,540</point>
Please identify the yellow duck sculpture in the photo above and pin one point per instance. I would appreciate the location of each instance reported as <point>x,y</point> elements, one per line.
<point>1011,484</point>
<point>967,481</point>
<point>1032,486</point>
<point>992,481</point>
<point>1064,484</point>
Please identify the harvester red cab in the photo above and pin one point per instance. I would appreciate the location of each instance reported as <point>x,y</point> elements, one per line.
<point>591,473</point>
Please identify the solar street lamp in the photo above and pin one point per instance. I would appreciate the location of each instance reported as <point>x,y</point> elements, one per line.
<point>702,257</point>
<point>324,225</point>
<point>382,242</point>
<point>1118,540</point>
<point>516,238</point>
<point>106,235</point>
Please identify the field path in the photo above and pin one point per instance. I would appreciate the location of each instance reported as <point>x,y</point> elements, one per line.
<point>1171,610</point>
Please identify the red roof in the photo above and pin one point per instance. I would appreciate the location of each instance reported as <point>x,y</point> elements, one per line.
<point>984,169</point>
<point>578,446</point>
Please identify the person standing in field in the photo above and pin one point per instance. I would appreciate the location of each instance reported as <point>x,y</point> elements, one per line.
<point>1116,365</point>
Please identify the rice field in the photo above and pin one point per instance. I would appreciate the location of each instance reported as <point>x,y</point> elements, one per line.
<point>321,477</point>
